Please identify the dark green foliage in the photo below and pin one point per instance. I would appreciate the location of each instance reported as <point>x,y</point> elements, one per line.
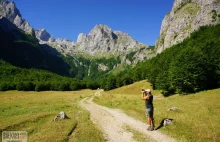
<point>4,86</point>
<point>215,16</point>
<point>152,47</point>
<point>188,67</point>
<point>64,86</point>
<point>40,87</point>
<point>25,86</point>
<point>188,71</point>
<point>88,69</point>
<point>130,56</point>
<point>14,78</point>
<point>109,83</point>
<point>23,50</point>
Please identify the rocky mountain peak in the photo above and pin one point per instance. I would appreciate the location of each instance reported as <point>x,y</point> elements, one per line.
<point>43,35</point>
<point>81,38</point>
<point>9,10</point>
<point>185,17</point>
<point>102,41</point>
<point>101,32</point>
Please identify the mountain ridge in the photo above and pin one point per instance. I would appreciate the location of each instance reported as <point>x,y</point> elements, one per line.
<point>100,42</point>
<point>9,10</point>
<point>185,17</point>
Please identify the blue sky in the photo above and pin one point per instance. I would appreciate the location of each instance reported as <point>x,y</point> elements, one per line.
<point>67,18</point>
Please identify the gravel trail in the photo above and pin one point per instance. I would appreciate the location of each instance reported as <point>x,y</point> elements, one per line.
<point>113,123</point>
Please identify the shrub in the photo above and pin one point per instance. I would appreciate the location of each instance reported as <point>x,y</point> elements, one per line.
<point>41,87</point>
<point>64,86</point>
<point>3,86</point>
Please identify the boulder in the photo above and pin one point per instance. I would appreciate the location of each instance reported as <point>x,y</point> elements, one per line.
<point>173,109</point>
<point>167,121</point>
<point>60,116</point>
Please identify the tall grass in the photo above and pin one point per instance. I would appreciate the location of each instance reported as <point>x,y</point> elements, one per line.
<point>197,120</point>
<point>34,111</point>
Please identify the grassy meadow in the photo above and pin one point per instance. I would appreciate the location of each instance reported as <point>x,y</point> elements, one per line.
<point>197,120</point>
<point>34,111</point>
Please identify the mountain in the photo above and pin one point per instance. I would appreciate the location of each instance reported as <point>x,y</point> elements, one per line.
<point>9,10</point>
<point>101,41</point>
<point>185,17</point>
<point>23,50</point>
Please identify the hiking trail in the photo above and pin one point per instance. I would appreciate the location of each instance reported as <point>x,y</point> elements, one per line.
<point>113,123</point>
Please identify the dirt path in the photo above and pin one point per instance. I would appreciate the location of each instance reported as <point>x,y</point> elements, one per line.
<point>113,122</point>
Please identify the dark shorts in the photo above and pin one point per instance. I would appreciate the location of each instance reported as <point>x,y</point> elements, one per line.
<point>150,112</point>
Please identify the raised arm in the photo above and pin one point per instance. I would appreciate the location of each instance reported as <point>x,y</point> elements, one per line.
<point>145,97</point>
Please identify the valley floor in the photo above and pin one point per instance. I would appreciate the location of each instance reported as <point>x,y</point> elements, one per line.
<point>116,115</point>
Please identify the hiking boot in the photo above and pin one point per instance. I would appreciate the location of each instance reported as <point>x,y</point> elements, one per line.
<point>149,128</point>
<point>152,128</point>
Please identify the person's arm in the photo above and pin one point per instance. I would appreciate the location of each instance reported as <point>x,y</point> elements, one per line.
<point>145,97</point>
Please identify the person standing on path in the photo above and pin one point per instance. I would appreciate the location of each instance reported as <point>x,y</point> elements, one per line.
<point>148,97</point>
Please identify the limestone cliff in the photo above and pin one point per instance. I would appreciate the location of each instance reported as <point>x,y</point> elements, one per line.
<point>102,41</point>
<point>9,10</point>
<point>185,17</point>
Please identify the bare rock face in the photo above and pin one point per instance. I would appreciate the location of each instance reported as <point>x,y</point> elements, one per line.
<point>185,17</point>
<point>43,35</point>
<point>102,67</point>
<point>64,46</point>
<point>81,38</point>
<point>103,41</point>
<point>9,10</point>
<point>100,39</point>
<point>124,41</point>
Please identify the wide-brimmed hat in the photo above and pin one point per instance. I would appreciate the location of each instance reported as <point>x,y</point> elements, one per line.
<point>145,90</point>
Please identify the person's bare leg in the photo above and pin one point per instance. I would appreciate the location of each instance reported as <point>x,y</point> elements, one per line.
<point>149,123</point>
<point>152,120</point>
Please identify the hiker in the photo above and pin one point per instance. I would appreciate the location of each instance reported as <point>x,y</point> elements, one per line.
<point>148,97</point>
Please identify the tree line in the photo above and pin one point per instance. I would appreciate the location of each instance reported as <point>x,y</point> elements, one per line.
<point>188,67</point>
<point>15,78</point>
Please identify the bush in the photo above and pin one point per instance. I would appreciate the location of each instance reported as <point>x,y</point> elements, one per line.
<point>165,93</point>
<point>4,87</point>
<point>41,87</point>
<point>20,86</point>
<point>64,86</point>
